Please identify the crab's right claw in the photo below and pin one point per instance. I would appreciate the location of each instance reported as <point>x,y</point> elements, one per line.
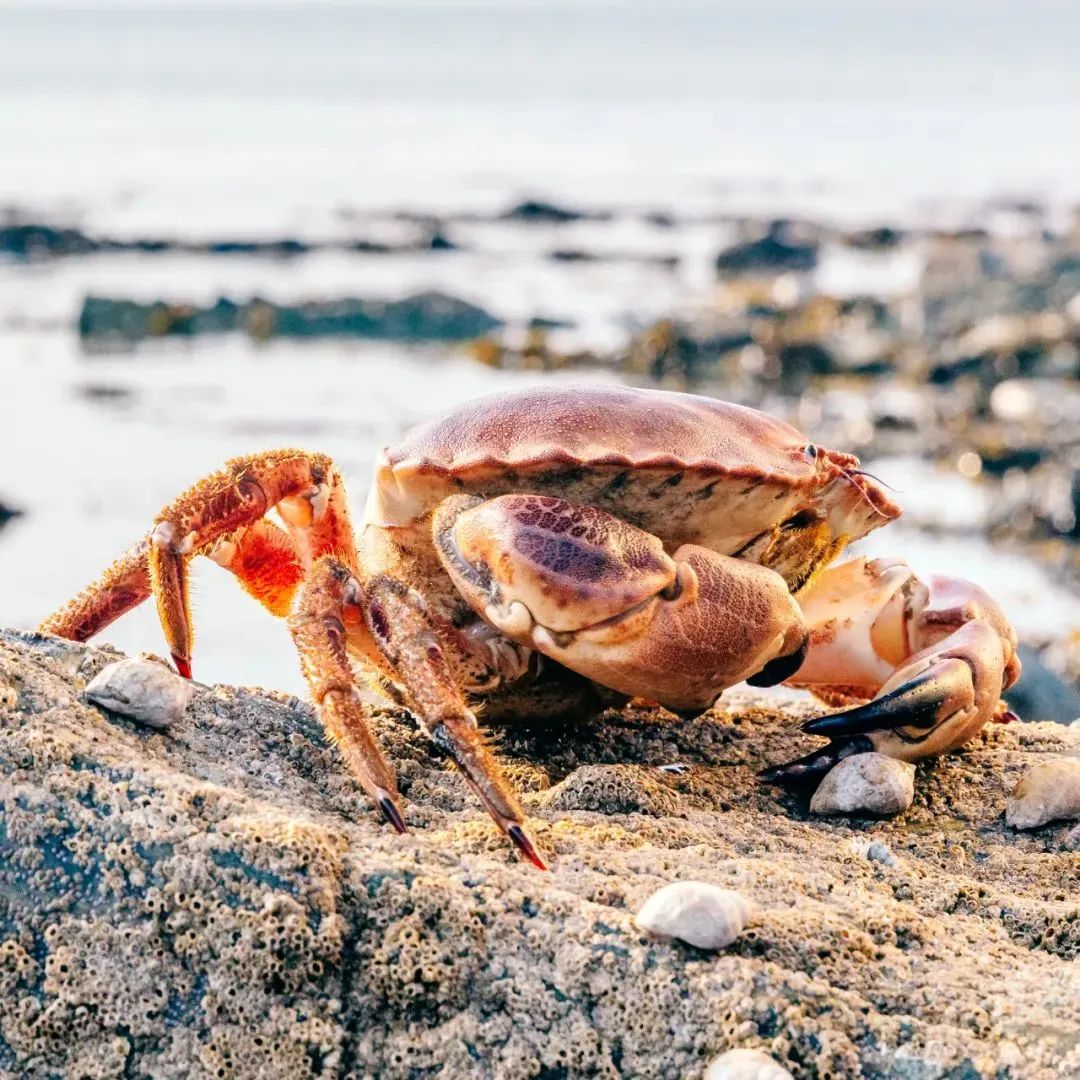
<point>935,702</point>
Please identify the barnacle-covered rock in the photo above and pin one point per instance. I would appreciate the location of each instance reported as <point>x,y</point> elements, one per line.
<point>1048,792</point>
<point>742,1064</point>
<point>613,789</point>
<point>700,914</point>
<point>224,902</point>
<point>866,784</point>
<point>144,690</point>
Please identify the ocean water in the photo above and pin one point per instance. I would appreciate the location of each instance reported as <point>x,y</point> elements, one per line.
<point>262,116</point>
<point>324,120</point>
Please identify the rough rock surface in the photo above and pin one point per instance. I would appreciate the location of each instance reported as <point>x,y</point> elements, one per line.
<point>221,901</point>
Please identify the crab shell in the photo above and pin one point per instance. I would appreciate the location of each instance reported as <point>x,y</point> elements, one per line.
<point>687,469</point>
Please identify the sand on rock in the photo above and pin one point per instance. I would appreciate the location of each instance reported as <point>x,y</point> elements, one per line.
<point>220,900</point>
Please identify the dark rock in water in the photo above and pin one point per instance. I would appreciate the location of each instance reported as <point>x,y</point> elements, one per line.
<point>439,241</point>
<point>572,255</point>
<point>426,317</point>
<point>1041,694</point>
<point>543,322</point>
<point>883,238</point>
<point>800,361</point>
<point>773,253</point>
<point>281,248</point>
<point>538,212</point>
<point>33,241</point>
<point>7,513</point>
<point>1000,461</point>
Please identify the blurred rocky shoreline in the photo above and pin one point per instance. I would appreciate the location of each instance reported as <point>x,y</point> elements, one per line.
<point>951,353</point>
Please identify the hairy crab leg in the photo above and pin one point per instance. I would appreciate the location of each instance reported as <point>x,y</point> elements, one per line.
<point>204,520</point>
<point>932,658</point>
<point>318,628</point>
<point>405,634</point>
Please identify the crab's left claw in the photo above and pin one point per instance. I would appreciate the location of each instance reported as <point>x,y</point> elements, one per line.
<point>938,697</point>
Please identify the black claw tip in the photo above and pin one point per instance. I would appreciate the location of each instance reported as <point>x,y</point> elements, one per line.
<point>525,845</point>
<point>807,769</point>
<point>915,704</point>
<point>392,814</point>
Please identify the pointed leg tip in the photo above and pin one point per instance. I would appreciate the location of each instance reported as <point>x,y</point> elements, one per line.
<point>392,812</point>
<point>524,843</point>
<point>183,665</point>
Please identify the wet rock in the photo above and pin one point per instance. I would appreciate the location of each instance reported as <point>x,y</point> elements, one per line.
<point>866,784</point>
<point>773,253</point>
<point>882,238</point>
<point>1041,693</point>
<point>539,212</point>
<point>705,916</point>
<point>1048,792</point>
<point>142,689</point>
<point>8,513</point>
<point>35,241</point>
<point>746,1065</point>
<point>427,316</point>
<point>225,900</point>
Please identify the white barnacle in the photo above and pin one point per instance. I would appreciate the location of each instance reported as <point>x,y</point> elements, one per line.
<point>702,915</point>
<point>866,783</point>
<point>744,1064</point>
<point>143,690</point>
<point>1049,791</point>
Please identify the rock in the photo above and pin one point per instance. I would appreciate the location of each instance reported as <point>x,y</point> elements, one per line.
<point>866,783</point>
<point>1041,693</point>
<point>8,513</point>
<point>774,253</point>
<point>537,211</point>
<point>427,316</point>
<point>1050,791</point>
<point>746,1065</point>
<point>613,789</point>
<point>144,690</point>
<point>226,899</point>
<point>879,852</point>
<point>700,914</point>
<point>1072,839</point>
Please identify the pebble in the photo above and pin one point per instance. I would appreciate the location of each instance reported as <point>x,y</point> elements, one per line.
<point>143,690</point>
<point>702,915</point>
<point>746,1065</point>
<point>872,783</point>
<point>1049,791</point>
<point>1072,839</point>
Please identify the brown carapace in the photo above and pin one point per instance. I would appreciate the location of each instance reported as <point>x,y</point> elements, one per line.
<point>660,546</point>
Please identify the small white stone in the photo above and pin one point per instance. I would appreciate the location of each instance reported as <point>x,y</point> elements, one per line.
<point>870,783</point>
<point>143,690</point>
<point>706,916</point>
<point>746,1065</point>
<point>1072,839</point>
<point>880,852</point>
<point>1050,791</point>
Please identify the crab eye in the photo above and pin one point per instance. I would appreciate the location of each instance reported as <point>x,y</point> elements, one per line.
<point>811,451</point>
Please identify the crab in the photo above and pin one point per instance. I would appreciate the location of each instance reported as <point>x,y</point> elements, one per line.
<point>570,544</point>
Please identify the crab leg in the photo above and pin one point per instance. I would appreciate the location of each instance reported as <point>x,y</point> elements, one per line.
<point>413,653</point>
<point>328,601</point>
<point>933,658</point>
<point>215,517</point>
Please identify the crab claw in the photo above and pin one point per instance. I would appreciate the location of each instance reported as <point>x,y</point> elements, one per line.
<point>950,650</point>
